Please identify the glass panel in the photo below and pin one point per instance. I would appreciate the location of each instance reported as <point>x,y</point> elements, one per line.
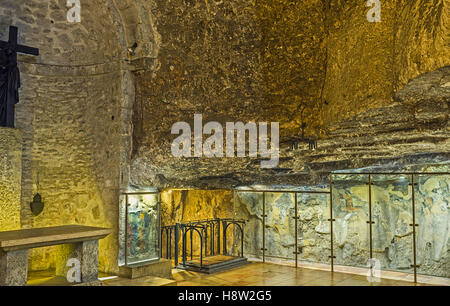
<point>249,207</point>
<point>351,211</point>
<point>142,228</point>
<point>313,227</point>
<point>280,226</point>
<point>122,229</point>
<point>392,214</point>
<point>433,217</point>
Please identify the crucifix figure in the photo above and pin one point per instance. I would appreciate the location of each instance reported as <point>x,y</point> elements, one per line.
<point>10,76</point>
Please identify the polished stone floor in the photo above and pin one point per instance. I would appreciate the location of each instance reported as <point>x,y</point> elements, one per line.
<point>253,274</point>
<point>263,274</point>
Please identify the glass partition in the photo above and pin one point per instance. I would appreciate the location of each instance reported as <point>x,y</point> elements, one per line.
<point>351,239</point>
<point>249,206</point>
<point>313,227</point>
<point>388,203</point>
<point>280,226</point>
<point>432,205</point>
<point>142,243</point>
<point>392,235</point>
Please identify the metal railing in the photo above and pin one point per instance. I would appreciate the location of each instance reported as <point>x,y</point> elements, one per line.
<point>211,232</point>
<point>413,183</point>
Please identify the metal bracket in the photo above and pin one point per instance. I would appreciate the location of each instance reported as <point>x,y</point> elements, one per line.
<point>415,266</point>
<point>370,222</point>
<point>331,256</point>
<point>295,217</point>
<point>415,184</point>
<point>296,253</point>
<point>414,224</point>
<point>331,220</point>
<point>263,249</point>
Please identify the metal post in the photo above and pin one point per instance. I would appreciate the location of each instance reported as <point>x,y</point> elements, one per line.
<point>264,227</point>
<point>224,237</point>
<point>242,241</point>
<point>206,239</point>
<point>176,243</point>
<point>296,235</point>
<point>201,249</point>
<point>218,236</point>
<point>211,224</point>
<point>192,243</point>
<point>169,242</point>
<point>414,225</point>
<point>126,229</point>
<point>370,222</point>
<point>183,230</point>
<point>331,223</point>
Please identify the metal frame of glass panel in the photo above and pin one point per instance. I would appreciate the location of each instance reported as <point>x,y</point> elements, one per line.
<point>264,216</point>
<point>414,225</point>
<point>331,219</point>
<point>127,194</point>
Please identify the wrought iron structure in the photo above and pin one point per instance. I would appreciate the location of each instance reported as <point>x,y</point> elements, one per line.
<point>211,232</point>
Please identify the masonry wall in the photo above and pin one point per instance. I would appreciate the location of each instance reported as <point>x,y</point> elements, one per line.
<point>70,116</point>
<point>10,178</point>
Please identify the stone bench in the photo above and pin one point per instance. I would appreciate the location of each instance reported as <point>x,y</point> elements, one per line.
<point>75,241</point>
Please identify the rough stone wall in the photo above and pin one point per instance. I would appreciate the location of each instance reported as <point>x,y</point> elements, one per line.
<point>392,214</point>
<point>191,205</point>
<point>368,62</point>
<point>315,62</point>
<point>71,130</point>
<point>208,63</point>
<point>10,178</point>
<point>391,211</point>
<point>293,56</point>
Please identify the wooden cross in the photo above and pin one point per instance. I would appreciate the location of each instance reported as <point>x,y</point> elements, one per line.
<point>14,46</point>
<point>10,76</point>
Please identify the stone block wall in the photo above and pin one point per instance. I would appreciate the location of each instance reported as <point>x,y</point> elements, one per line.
<point>71,127</point>
<point>10,178</point>
<point>71,107</point>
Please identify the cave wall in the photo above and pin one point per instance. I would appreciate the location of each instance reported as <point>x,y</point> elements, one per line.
<point>391,212</point>
<point>368,62</point>
<point>193,205</point>
<point>320,63</point>
<point>182,206</point>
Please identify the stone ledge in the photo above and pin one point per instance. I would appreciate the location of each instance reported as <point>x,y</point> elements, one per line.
<point>161,268</point>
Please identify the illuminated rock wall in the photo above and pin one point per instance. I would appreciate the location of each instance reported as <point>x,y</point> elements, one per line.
<point>10,178</point>
<point>192,205</point>
<point>391,212</point>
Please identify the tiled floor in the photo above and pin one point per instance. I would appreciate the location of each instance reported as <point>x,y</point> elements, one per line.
<point>391,275</point>
<point>253,274</point>
<point>266,274</point>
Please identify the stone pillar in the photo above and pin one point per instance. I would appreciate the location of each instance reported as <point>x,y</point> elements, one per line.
<point>10,178</point>
<point>13,268</point>
<point>85,253</point>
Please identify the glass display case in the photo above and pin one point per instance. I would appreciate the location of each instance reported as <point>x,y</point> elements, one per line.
<point>141,227</point>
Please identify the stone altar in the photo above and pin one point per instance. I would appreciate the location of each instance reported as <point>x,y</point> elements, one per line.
<point>81,242</point>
